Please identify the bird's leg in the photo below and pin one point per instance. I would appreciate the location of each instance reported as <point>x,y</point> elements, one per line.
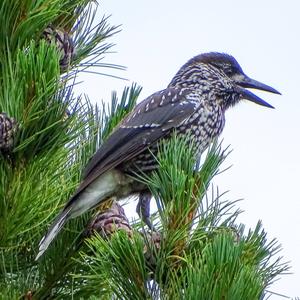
<point>143,208</point>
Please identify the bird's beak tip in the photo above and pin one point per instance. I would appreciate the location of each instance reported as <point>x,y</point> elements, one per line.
<point>271,106</point>
<point>270,90</point>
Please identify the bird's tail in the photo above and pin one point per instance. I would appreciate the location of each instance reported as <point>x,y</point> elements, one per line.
<point>91,196</point>
<point>53,231</point>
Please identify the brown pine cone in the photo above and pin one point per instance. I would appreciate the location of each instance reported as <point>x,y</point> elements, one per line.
<point>108,222</point>
<point>64,44</point>
<point>8,129</point>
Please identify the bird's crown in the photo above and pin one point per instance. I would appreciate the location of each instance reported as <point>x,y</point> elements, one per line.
<point>222,61</point>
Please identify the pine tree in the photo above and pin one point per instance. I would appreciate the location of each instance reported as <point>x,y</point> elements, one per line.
<point>47,135</point>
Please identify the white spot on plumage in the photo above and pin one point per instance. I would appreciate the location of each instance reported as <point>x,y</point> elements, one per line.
<point>163,98</point>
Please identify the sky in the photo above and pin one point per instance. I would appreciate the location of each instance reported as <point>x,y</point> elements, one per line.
<point>158,37</point>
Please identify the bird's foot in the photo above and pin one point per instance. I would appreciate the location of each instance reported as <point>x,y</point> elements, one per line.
<point>143,209</point>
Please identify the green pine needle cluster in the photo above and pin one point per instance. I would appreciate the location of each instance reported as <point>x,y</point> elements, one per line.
<point>203,253</point>
<point>57,134</point>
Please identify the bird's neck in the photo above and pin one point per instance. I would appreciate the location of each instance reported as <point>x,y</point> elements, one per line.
<point>192,84</point>
<point>195,79</point>
<point>207,95</point>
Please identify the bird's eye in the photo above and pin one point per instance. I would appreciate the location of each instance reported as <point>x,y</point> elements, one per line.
<point>228,69</point>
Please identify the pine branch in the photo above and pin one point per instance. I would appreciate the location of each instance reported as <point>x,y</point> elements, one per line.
<point>207,256</point>
<point>58,262</point>
<point>55,136</point>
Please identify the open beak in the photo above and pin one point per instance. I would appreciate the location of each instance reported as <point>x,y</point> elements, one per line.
<point>247,82</point>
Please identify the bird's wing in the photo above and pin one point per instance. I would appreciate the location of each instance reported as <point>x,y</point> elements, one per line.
<point>149,121</point>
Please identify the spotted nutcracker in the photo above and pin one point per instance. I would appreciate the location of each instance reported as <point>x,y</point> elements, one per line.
<point>194,103</point>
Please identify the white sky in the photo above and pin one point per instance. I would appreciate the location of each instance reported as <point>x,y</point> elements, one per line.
<point>159,36</point>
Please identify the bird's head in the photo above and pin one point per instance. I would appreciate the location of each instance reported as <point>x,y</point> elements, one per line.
<point>221,77</point>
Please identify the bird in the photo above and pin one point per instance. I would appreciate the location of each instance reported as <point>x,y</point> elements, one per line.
<point>193,104</point>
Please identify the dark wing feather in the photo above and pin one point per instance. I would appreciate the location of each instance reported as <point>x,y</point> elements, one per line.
<point>149,121</point>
